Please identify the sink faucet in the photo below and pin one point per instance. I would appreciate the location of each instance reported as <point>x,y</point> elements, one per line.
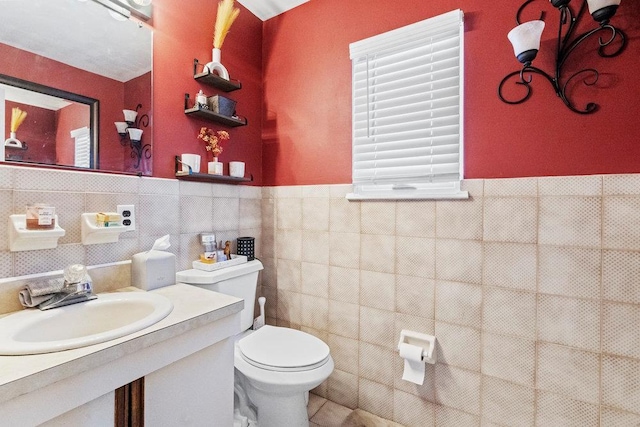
<point>77,288</point>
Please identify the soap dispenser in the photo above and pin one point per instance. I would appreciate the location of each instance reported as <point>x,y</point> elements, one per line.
<point>201,100</point>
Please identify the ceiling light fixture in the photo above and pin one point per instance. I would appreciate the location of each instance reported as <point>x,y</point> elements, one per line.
<point>525,39</point>
<point>141,9</point>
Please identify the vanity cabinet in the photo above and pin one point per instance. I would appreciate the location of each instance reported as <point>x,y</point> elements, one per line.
<point>194,390</point>
<point>224,85</point>
<point>186,361</point>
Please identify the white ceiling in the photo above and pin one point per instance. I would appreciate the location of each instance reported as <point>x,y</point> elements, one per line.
<point>78,33</point>
<point>16,94</point>
<point>267,9</point>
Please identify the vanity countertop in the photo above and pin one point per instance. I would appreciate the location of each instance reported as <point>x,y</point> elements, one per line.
<point>192,307</point>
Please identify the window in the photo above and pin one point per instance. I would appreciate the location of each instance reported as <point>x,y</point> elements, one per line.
<point>82,138</point>
<point>407,111</point>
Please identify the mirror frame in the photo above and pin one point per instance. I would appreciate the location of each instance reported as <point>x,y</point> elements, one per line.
<point>94,114</point>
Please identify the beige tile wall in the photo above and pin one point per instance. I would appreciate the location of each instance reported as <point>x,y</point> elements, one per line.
<point>532,287</point>
<point>163,206</point>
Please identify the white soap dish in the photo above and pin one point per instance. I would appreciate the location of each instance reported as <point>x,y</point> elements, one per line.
<point>21,239</point>
<point>92,234</point>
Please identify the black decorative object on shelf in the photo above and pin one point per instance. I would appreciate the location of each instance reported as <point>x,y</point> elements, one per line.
<point>131,132</point>
<point>526,47</point>
<point>246,246</point>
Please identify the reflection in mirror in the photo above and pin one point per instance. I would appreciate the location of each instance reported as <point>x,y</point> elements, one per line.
<point>77,48</point>
<point>47,125</point>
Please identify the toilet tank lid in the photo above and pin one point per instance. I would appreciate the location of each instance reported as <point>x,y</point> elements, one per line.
<point>200,277</point>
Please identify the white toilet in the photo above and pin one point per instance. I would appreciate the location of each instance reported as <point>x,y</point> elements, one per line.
<point>275,367</point>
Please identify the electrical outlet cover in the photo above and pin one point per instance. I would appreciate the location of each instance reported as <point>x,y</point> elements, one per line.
<point>128,214</point>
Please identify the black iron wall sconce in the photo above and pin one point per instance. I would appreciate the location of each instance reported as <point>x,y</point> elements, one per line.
<point>526,43</point>
<point>131,134</point>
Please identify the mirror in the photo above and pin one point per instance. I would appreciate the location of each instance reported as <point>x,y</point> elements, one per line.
<point>59,127</point>
<point>73,66</point>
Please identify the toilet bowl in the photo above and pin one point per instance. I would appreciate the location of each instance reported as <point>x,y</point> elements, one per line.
<point>275,367</point>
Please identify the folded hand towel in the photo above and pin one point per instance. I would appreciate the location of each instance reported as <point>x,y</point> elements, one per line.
<point>35,293</point>
<point>29,301</point>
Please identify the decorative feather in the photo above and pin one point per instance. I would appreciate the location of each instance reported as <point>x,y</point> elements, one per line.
<point>17,117</point>
<point>227,14</point>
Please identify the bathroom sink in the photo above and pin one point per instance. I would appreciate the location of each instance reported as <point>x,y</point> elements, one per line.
<point>108,317</point>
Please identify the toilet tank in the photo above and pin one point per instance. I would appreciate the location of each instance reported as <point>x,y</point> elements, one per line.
<point>240,281</point>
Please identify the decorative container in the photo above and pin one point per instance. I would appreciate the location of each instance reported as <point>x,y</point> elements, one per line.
<point>236,169</point>
<point>190,160</point>
<point>215,66</point>
<point>215,167</point>
<point>221,105</point>
<point>246,247</point>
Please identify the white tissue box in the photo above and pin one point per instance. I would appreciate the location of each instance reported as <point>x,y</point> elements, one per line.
<point>153,269</point>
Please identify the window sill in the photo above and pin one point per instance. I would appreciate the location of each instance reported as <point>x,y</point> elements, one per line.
<point>458,195</point>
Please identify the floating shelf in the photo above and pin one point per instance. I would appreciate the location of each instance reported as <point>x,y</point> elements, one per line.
<point>205,177</point>
<point>22,146</point>
<point>214,80</point>
<point>21,239</point>
<point>215,117</point>
<point>92,234</point>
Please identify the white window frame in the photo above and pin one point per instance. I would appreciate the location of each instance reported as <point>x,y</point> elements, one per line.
<point>82,147</point>
<point>416,168</point>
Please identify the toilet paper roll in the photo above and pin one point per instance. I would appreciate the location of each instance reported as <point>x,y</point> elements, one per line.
<point>413,365</point>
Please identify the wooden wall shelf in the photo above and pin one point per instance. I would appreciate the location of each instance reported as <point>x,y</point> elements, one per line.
<point>214,80</point>
<point>215,117</point>
<point>205,177</point>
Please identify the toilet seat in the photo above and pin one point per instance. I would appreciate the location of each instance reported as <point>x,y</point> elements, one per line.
<point>283,349</point>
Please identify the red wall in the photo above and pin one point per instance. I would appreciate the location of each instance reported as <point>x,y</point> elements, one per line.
<point>183,30</point>
<point>296,93</point>
<point>71,117</point>
<point>307,93</point>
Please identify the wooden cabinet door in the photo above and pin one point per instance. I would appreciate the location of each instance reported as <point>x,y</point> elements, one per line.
<point>129,407</point>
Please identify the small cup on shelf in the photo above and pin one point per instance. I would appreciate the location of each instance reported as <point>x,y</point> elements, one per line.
<point>192,160</point>
<point>236,169</point>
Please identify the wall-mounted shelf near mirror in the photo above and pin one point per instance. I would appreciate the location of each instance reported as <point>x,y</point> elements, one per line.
<point>211,116</point>
<point>21,239</point>
<point>214,80</point>
<point>14,146</point>
<point>205,177</point>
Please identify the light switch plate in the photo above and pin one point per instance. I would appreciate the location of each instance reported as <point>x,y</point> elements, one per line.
<point>128,214</point>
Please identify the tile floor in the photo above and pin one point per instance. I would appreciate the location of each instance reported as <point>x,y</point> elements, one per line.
<point>325,413</point>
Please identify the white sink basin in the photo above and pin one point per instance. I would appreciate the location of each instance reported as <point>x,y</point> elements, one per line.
<point>109,317</point>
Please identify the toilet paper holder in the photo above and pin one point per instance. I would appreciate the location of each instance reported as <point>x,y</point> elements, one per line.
<point>427,342</point>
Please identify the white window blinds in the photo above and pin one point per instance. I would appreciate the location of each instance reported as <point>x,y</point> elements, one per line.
<point>407,111</point>
<point>82,139</point>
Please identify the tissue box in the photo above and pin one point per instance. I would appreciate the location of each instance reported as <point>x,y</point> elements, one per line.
<point>221,105</point>
<point>153,269</point>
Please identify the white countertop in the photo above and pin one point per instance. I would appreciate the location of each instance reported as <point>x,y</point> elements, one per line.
<point>192,307</point>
